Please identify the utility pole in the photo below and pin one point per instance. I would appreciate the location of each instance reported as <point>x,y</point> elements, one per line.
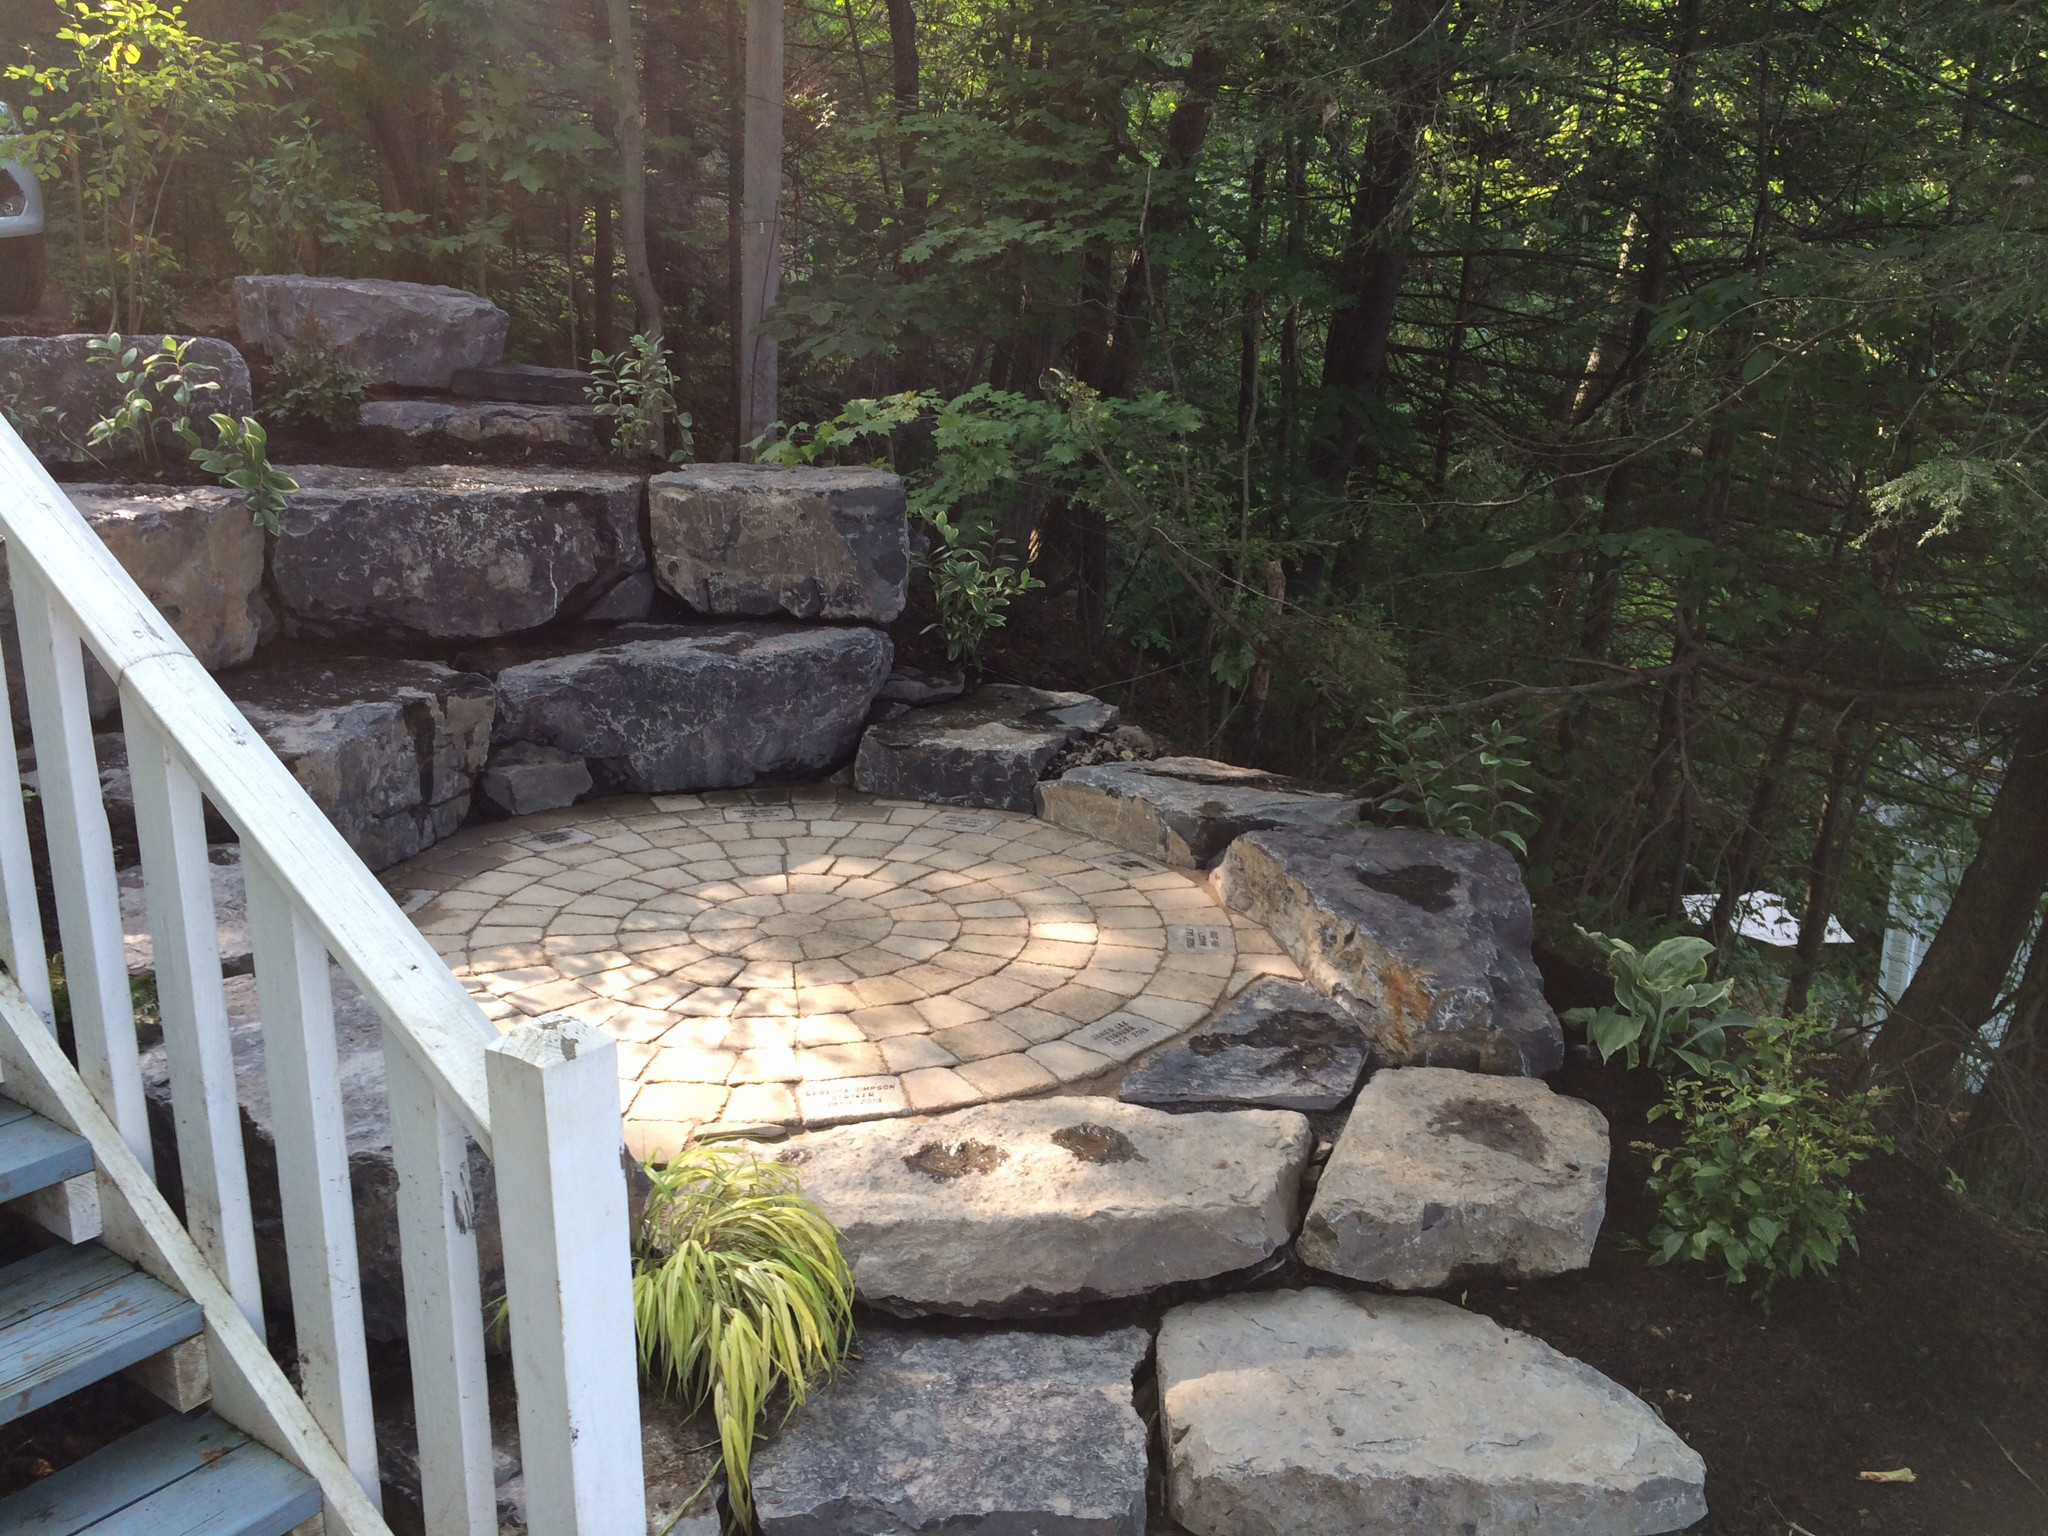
<point>760,217</point>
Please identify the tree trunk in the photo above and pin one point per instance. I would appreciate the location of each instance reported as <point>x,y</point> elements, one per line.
<point>1958,984</point>
<point>2002,1154</point>
<point>1830,850</point>
<point>903,72</point>
<point>1740,871</point>
<point>760,217</point>
<point>633,182</point>
<point>604,260</point>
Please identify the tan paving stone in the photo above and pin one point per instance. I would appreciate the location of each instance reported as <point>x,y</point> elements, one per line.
<point>1084,1005</point>
<point>861,1060</point>
<point>1036,1025</point>
<point>894,1019</point>
<point>760,1103</point>
<point>681,1064</point>
<point>1005,1077</point>
<point>936,1089</point>
<point>948,1011</point>
<point>1067,1062</point>
<point>996,993</point>
<point>979,1039</point>
<point>910,1053</point>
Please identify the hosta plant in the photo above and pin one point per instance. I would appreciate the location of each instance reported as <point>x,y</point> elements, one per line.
<point>1665,1008</point>
<point>739,1288</point>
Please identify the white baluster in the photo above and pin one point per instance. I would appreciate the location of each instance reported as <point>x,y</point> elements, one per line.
<point>297,1003</point>
<point>178,879</point>
<point>81,859</point>
<point>443,1303</point>
<point>21,918</point>
<point>558,1150</point>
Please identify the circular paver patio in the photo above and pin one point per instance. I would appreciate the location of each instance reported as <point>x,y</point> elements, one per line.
<point>816,956</point>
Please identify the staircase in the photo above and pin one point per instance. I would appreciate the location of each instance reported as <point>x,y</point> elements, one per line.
<point>75,1314</point>
<point>173,1298</point>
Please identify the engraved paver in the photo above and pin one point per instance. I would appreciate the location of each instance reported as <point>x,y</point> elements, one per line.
<point>819,956</point>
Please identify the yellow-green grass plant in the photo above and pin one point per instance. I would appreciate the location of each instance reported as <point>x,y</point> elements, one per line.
<point>738,1287</point>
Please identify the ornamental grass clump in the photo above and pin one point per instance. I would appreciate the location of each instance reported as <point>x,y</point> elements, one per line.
<point>739,1288</point>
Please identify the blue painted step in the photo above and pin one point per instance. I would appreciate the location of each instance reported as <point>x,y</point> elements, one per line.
<point>179,1476</point>
<point>70,1316</point>
<point>35,1154</point>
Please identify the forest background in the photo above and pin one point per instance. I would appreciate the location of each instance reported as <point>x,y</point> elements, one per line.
<point>1614,426</point>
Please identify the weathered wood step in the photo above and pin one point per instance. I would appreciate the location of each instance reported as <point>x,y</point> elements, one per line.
<point>71,1316</point>
<point>182,1475</point>
<point>34,1154</point>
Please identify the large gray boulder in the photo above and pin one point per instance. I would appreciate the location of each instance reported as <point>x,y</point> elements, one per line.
<point>1276,1045</point>
<point>527,383</point>
<point>450,552</point>
<point>197,554</point>
<point>230,906</point>
<point>754,540</point>
<point>987,749</point>
<point>679,707</point>
<point>1183,810</point>
<point>1007,1208</point>
<point>412,335</point>
<point>1425,937</point>
<point>373,1176</point>
<point>388,749</point>
<point>55,389</point>
<point>1316,1413</point>
<point>1442,1176</point>
<point>470,422</point>
<point>997,1434</point>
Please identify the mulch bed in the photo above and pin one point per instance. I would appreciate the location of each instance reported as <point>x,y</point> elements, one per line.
<point>1927,1351</point>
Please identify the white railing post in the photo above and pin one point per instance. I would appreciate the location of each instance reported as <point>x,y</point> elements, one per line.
<point>443,1304</point>
<point>296,997</point>
<point>178,881</point>
<point>81,858</point>
<point>21,917</point>
<point>559,1147</point>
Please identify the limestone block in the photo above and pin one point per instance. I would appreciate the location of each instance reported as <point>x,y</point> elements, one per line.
<point>413,335</point>
<point>1322,1414</point>
<point>1441,1176</point>
<point>1426,938</point>
<point>1183,810</point>
<point>755,540</point>
<point>57,388</point>
<point>995,1434</point>
<point>1004,1208</point>
<point>450,552</point>
<point>986,749</point>
<point>680,707</point>
<point>523,778</point>
<point>527,383</point>
<point>1276,1045</point>
<point>470,422</point>
<point>388,749</point>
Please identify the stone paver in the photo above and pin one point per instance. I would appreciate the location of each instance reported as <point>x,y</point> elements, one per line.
<point>813,955</point>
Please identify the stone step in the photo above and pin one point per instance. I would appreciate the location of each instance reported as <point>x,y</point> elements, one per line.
<point>411,335</point>
<point>63,375</point>
<point>1184,810</point>
<point>986,749</point>
<point>758,540</point>
<point>1320,1414</point>
<point>450,552</point>
<point>1006,1209</point>
<point>1425,938</point>
<point>527,383</point>
<point>995,1434</point>
<point>1442,1176</point>
<point>469,423</point>
<point>1276,1045</point>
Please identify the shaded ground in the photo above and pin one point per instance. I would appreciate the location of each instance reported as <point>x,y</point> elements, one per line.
<point>1928,1351</point>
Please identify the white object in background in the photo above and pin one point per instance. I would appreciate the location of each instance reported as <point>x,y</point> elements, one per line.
<point>1765,917</point>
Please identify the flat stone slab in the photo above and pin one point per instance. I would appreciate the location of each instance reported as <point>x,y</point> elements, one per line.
<point>1316,1413</point>
<point>1014,1207</point>
<point>1425,937</point>
<point>413,335</point>
<point>1184,810</point>
<point>985,749</point>
<point>1442,1176</point>
<point>230,906</point>
<point>388,749</point>
<point>996,1434</point>
<point>1278,1045</point>
<point>523,779</point>
<point>484,421</point>
<point>528,383</point>
<point>450,552</point>
<point>687,707</point>
<point>58,388</point>
<point>755,540</point>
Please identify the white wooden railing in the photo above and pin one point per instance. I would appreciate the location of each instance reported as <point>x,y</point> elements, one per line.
<point>542,1101</point>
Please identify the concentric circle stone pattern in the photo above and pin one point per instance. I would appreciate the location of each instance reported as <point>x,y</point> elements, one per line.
<point>813,956</point>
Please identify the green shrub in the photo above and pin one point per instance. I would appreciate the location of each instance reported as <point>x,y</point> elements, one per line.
<point>739,1287</point>
<point>635,390</point>
<point>1660,997</point>
<point>1464,783</point>
<point>162,382</point>
<point>312,385</point>
<point>240,456</point>
<point>1757,1185</point>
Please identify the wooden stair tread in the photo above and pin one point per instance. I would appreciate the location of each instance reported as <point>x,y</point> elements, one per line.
<point>34,1154</point>
<point>182,1475</point>
<point>71,1316</point>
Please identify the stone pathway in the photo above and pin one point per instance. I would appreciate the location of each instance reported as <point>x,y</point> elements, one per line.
<point>818,956</point>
